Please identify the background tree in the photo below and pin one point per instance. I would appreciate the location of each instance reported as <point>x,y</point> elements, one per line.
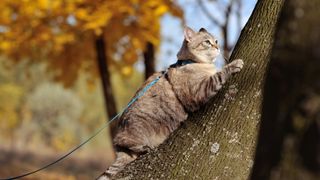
<point>16,82</point>
<point>53,113</point>
<point>10,96</point>
<point>113,32</point>
<point>289,141</point>
<point>219,140</point>
<point>149,60</point>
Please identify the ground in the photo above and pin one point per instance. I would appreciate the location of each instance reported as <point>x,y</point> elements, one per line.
<point>14,163</point>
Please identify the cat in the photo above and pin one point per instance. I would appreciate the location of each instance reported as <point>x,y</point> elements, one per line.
<point>185,87</point>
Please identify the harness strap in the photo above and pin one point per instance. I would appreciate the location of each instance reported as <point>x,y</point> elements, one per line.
<point>182,63</point>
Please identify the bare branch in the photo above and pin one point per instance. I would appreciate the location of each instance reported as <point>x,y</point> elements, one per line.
<point>239,15</point>
<point>208,14</point>
<point>225,27</point>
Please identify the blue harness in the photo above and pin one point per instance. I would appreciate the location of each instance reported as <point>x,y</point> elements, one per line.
<point>182,63</point>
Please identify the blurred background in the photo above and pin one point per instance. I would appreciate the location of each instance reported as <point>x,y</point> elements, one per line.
<point>67,66</point>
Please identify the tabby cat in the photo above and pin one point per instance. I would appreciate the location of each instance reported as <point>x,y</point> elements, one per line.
<point>184,88</point>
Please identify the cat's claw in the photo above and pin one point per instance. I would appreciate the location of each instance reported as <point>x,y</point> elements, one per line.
<point>236,65</point>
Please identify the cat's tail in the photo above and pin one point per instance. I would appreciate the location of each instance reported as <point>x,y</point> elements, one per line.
<point>122,159</point>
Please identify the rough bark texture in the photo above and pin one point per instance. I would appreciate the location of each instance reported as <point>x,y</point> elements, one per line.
<point>218,141</point>
<point>105,77</point>
<point>149,60</point>
<point>289,141</point>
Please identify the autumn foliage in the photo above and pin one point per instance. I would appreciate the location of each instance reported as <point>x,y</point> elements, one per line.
<point>45,42</point>
<point>62,32</point>
<point>61,36</point>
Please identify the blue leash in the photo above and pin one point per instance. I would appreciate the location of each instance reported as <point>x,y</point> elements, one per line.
<point>141,93</point>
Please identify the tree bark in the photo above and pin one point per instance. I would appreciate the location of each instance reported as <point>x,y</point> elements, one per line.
<point>289,140</point>
<point>105,77</point>
<point>218,142</point>
<point>149,60</point>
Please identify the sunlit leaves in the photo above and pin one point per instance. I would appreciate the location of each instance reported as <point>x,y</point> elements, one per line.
<point>65,30</point>
<point>62,33</point>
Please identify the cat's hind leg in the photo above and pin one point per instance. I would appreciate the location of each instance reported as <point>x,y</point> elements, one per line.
<point>122,159</point>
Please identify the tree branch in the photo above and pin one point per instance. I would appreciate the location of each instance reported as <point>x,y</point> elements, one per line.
<point>239,15</point>
<point>225,27</point>
<point>208,14</point>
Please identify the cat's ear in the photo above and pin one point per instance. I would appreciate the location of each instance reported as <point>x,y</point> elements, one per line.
<point>188,33</point>
<point>203,30</point>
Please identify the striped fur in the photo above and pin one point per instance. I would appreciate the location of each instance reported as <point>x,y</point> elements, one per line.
<point>150,120</point>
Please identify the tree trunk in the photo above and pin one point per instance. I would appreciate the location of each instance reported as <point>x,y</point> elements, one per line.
<point>225,28</point>
<point>149,60</point>
<point>218,142</point>
<point>225,35</point>
<point>289,140</point>
<point>105,77</point>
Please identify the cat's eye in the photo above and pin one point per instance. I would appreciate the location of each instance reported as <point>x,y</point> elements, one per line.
<point>216,41</point>
<point>208,43</point>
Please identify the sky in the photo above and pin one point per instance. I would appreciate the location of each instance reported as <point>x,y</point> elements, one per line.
<point>172,28</point>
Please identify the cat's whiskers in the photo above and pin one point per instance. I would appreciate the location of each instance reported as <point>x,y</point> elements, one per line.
<point>226,60</point>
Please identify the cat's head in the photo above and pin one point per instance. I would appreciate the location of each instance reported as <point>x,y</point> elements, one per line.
<point>199,46</point>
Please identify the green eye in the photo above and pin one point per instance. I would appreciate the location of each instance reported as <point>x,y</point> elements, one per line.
<point>208,43</point>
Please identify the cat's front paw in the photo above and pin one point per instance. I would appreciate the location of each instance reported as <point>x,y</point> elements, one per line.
<point>236,65</point>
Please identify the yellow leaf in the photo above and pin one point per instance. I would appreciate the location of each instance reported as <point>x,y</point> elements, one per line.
<point>160,10</point>
<point>45,36</point>
<point>126,70</point>
<point>43,4</point>
<point>81,14</point>
<point>5,45</point>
